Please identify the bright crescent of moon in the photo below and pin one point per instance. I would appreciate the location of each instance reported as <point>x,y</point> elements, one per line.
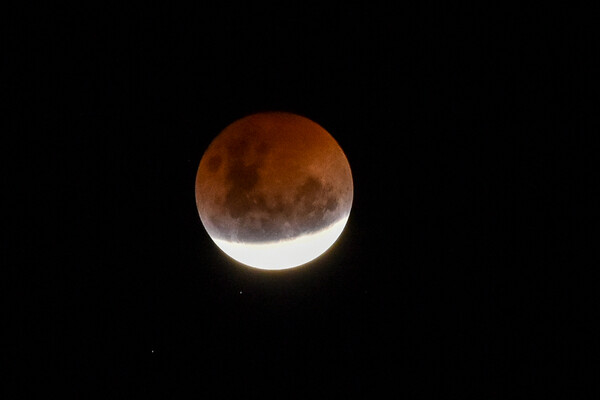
<point>286,253</point>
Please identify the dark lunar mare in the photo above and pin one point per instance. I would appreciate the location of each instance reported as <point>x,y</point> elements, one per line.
<point>250,217</point>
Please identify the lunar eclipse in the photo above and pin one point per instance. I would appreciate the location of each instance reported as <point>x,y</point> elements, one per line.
<point>274,190</point>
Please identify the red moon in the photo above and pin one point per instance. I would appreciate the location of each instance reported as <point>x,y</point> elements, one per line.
<point>274,190</point>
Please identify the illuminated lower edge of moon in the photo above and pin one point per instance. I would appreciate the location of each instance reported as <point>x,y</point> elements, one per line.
<point>286,253</point>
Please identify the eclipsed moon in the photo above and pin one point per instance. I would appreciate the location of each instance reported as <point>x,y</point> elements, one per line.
<point>274,190</point>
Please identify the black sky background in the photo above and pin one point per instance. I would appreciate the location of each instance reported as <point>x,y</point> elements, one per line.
<point>448,277</point>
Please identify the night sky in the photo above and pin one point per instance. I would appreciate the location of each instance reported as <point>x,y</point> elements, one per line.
<point>447,280</point>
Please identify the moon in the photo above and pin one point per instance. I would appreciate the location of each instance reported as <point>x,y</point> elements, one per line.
<point>274,190</point>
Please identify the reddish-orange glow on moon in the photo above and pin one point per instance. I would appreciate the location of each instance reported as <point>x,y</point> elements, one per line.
<point>274,190</point>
